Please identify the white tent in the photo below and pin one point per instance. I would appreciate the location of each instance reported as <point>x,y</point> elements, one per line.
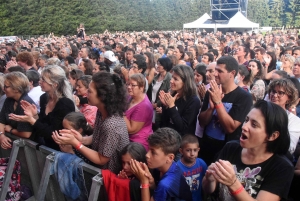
<point>240,21</point>
<point>237,22</point>
<point>196,23</point>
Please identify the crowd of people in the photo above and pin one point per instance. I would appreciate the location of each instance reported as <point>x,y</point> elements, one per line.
<point>182,115</point>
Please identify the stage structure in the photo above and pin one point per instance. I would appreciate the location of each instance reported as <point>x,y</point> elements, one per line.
<point>226,16</point>
<point>223,10</point>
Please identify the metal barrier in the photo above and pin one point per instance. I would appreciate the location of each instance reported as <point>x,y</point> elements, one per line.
<point>35,171</point>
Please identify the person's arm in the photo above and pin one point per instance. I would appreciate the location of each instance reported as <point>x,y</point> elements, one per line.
<point>209,183</point>
<point>20,134</point>
<point>297,167</point>
<point>5,142</point>
<point>228,124</point>
<point>183,121</point>
<point>133,126</point>
<point>64,137</point>
<point>150,76</point>
<point>206,111</point>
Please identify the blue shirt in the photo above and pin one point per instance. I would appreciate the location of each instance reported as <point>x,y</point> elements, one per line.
<point>194,176</point>
<point>172,185</point>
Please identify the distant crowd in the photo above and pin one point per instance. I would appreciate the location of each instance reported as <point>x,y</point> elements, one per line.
<point>178,114</point>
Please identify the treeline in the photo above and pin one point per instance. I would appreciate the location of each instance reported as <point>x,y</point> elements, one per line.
<point>28,17</point>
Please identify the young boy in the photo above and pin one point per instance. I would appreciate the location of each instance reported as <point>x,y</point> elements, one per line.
<point>193,168</point>
<point>167,181</point>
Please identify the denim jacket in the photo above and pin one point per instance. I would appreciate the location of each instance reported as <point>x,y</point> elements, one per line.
<point>69,174</point>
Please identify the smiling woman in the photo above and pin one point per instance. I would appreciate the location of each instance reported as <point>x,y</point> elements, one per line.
<point>180,108</point>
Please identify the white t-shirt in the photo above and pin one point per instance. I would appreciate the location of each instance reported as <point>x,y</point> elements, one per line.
<point>35,94</point>
<point>294,130</point>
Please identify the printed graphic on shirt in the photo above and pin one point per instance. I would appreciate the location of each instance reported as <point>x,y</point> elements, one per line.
<point>250,179</point>
<point>193,178</point>
<point>214,128</point>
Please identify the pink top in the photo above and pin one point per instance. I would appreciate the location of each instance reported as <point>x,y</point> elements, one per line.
<point>142,112</point>
<point>89,113</point>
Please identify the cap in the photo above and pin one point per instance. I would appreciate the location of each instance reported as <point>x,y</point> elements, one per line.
<point>110,56</point>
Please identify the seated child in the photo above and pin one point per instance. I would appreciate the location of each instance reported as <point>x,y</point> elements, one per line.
<point>193,168</point>
<point>87,110</point>
<point>76,121</point>
<point>167,181</point>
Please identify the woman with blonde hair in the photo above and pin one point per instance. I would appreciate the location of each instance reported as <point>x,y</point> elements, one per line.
<point>16,87</point>
<point>288,64</point>
<point>56,103</point>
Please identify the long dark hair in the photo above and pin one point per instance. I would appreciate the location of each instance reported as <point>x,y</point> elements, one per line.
<point>276,119</point>
<point>272,65</point>
<point>187,76</point>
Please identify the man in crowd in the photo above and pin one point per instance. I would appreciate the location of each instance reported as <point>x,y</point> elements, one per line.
<point>224,109</point>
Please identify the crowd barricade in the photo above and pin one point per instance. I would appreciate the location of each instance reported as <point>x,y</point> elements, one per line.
<point>35,163</point>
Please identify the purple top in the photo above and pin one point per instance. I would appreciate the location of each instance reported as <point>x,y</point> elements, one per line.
<point>142,112</point>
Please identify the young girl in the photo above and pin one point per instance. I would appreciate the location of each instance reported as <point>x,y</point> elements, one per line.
<point>76,121</point>
<point>135,151</point>
<point>87,110</point>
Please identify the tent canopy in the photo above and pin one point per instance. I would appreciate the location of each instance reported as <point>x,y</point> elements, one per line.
<point>197,22</point>
<point>238,21</point>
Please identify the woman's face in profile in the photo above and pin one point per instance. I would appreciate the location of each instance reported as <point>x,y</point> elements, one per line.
<point>8,89</point>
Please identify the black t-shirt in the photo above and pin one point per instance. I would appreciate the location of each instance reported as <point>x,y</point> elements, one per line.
<point>237,103</point>
<point>273,175</point>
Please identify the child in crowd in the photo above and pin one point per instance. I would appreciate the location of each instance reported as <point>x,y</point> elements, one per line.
<point>87,110</point>
<point>193,168</point>
<point>167,181</point>
<point>132,151</point>
<point>135,151</point>
<point>76,121</point>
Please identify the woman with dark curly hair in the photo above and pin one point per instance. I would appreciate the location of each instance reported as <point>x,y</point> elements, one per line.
<point>108,93</point>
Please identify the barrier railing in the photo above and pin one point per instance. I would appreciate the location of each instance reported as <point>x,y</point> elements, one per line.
<point>35,171</point>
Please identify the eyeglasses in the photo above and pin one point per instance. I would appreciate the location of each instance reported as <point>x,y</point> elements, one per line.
<point>131,85</point>
<point>279,93</point>
<point>6,87</point>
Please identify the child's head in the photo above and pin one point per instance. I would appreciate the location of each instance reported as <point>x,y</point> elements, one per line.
<point>82,84</point>
<point>189,148</point>
<point>134,151</point>
<point>77,121</point>
<point>163,146</point>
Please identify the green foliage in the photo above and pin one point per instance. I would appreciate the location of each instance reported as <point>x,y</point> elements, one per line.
<point>33,17</point>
